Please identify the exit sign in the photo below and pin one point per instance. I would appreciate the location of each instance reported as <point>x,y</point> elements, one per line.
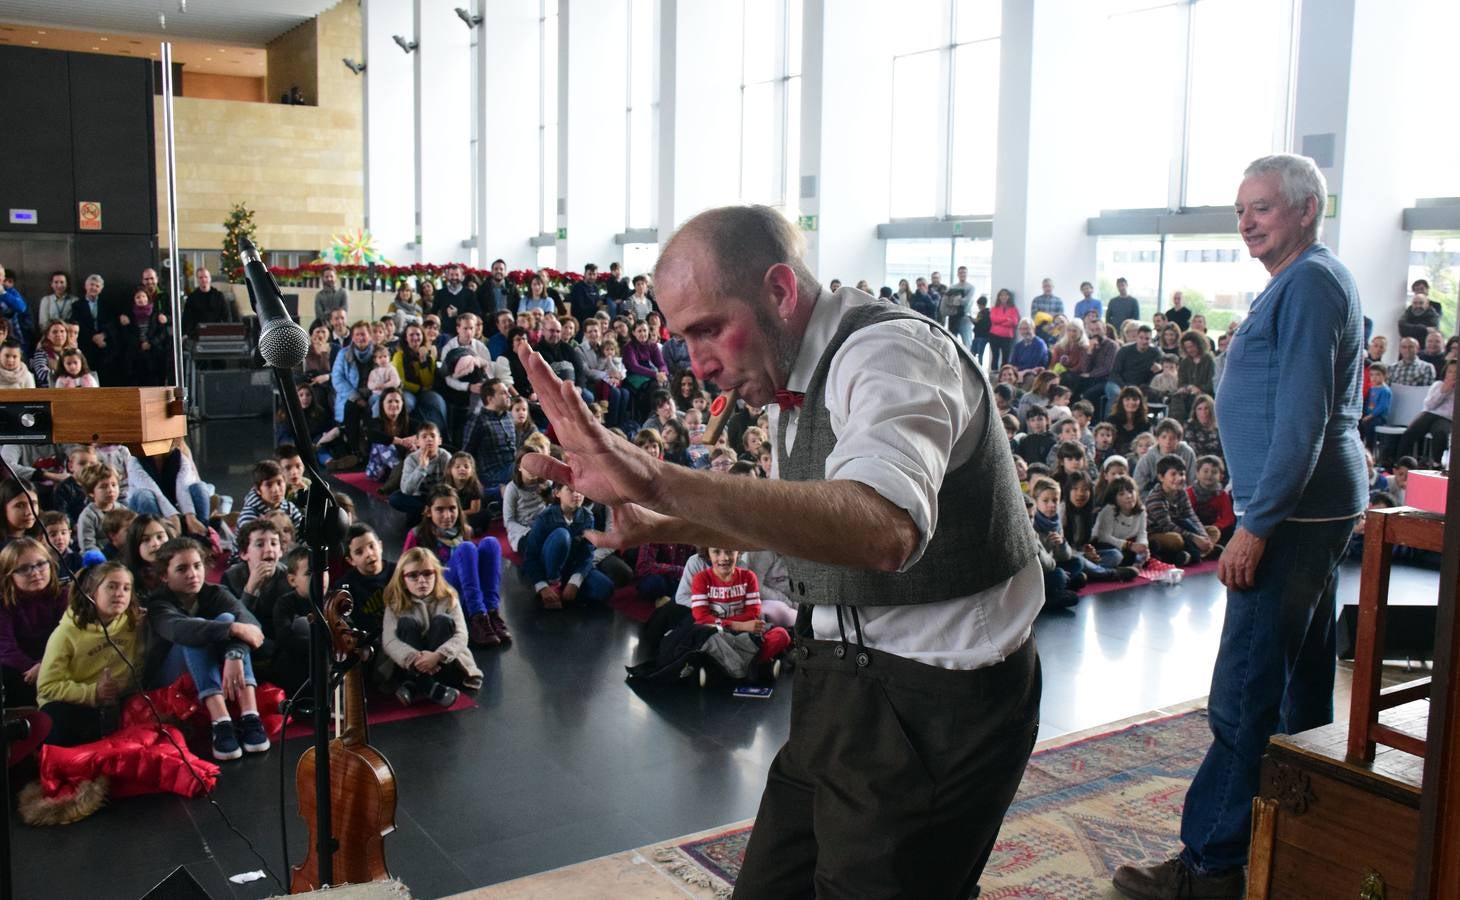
<point>808,223</point>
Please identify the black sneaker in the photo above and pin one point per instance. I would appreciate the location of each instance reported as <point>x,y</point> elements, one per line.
<point>443,695</point>
<point>405,695</point>
<point>1126,573</point>
<point>225,741</point>
<point>252,734</point>
<point>1172,879</point>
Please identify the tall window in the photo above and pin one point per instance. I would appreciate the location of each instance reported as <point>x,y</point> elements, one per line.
<point>770,103</point>
<point>642,113</point>
<point>945,107</point>
<point>547,140</point>
<point>1435,257</point>
<point>1216,277</point>
<point>1180,118</point>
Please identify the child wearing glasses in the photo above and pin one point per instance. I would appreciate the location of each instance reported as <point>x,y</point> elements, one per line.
<point>424,633</point>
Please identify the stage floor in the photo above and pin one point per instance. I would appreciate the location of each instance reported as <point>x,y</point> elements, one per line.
<point>560,762</point>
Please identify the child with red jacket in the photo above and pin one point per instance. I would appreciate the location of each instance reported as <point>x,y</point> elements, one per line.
<point>728,596</point>
<point>1212,501</point>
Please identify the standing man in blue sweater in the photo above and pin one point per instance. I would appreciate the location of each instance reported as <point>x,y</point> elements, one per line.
<point>1289,403</point>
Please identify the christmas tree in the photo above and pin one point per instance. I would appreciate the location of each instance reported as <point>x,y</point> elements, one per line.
<point>238,224</point>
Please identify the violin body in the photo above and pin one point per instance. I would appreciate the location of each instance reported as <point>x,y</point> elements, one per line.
<point>362,811</point>
<point>362,782</point>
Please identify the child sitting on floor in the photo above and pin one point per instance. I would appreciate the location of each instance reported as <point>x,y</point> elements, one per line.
<point>557,559</point>
<point>728,596</point>
<point>1212,501</point>
<point>461,475</point>
<point>1078,519</point>
<point>115,523</point>
<point>424,633</point>
<point>82,678</point>
<point>1121,523</point>
<point>257,579</point>
<point>69,496</point>
<point>1176,534</point>
<point>421,471</point>
<point>522,501</point>
<point>101,484</point>
<point>58,538</point>
<point>473,569</point>
<point>204,630</point>
<point>268,494</point>
<point>366,577</point>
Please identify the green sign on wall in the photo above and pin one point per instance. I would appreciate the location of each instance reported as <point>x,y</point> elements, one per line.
<point>807,223</point>
<point>562,234</point>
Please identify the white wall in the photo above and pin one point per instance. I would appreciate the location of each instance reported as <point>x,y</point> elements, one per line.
<point>1046,180</point>
<point>593,131</point>
<point>508,164</point>
<point>845,107</point>
<point>443,98</point>
<point>390,102</point>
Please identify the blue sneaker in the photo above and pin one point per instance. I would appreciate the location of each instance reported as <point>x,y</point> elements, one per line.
<point>255,739</point>
<point>225,741</point>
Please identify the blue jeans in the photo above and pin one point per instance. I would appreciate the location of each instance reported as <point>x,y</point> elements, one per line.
<point>205,664</point>
<point>143,503</point>
<point>562,557</point>
<point>201,493</point>
<point>1273,674</point>
<point>475,571</point>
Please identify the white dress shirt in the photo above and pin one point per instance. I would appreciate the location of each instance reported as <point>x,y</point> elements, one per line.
<point>901,405</point>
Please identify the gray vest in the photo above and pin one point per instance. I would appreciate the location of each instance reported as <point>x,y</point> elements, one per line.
<point>983,535</point>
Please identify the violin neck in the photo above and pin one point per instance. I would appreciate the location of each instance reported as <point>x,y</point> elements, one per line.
<point>355,729</point>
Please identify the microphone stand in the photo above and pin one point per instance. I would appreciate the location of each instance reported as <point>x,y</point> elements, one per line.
<point>320,511</point>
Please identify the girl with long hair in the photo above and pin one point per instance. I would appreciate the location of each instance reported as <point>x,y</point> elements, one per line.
<point>1130,417</point>
<point>473,568</point>
<point>32,600</point>
<point>424,633</point>
<point>90,658</point>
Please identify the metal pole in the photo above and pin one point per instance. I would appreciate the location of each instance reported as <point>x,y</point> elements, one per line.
<point>178,278</point>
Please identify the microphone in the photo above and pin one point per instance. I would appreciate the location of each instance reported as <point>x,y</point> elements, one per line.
<point>282,343</point>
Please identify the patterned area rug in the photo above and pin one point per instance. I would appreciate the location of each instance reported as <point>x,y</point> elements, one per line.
<point>1084,808</point>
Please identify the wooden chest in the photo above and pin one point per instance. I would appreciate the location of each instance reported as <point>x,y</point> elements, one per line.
<point>1324,827</point>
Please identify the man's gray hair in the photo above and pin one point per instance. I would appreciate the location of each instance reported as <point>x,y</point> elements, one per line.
<point>1299,178</point>
<point>96,278</point>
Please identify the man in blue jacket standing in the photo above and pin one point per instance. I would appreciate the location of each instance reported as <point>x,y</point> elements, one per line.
<point>1289,404</point>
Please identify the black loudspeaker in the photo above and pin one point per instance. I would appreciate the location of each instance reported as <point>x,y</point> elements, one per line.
<point>178,885</point>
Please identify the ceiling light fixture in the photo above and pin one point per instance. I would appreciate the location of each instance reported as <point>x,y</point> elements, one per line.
<point>356,67</point>
<point>470,20</point>
<point>407,46</point>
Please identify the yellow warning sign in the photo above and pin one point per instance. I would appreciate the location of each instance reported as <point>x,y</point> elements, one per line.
<point>90,215</point>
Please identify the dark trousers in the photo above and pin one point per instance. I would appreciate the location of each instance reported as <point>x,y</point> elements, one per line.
<point>1426,424</point>
<point>17,691</point>
<point>440,630</point>
<point>73,723</point>
<point>999,350</point>
<point>896,776</point>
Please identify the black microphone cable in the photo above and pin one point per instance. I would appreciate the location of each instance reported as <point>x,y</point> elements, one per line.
<point>137,680</point>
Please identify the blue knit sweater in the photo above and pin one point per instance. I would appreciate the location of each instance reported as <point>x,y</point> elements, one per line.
<point>1290,398</point>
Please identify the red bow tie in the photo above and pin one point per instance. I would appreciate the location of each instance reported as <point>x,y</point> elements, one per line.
<point>790,399</point>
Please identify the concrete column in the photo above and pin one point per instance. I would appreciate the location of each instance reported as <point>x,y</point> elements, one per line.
<point>845,155</point>
<point>443,99</point>
<point>1044,192</point>
<point>390,155</point>
<point>592,129</point>
<point>507,164</point>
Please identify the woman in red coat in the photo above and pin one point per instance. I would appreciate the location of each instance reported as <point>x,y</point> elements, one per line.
<point>1003,319</point>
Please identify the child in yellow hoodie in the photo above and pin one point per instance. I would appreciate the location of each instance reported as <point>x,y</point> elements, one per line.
<point>82,679</point>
